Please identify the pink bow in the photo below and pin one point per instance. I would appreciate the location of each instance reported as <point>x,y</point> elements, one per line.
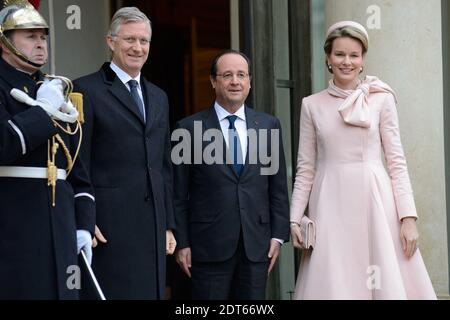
<point>355,109</point>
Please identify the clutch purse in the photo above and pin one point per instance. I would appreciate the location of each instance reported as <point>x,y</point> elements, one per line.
<point>308,232</point>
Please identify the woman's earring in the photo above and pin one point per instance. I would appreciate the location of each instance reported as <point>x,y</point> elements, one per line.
<point>361,70</point>
<point>329,67</point>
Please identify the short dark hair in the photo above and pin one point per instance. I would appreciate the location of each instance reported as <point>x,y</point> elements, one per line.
<point>213,71</point>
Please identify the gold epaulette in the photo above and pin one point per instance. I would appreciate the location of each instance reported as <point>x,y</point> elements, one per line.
<point>77,101</point>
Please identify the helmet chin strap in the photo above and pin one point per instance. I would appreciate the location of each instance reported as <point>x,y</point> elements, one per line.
<point>36,65</point>
<point>16,52</point>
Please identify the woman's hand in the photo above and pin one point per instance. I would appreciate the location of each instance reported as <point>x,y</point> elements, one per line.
<point>409,236</point>
<point>297,240</point>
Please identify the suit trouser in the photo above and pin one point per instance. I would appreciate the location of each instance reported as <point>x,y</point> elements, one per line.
<point>237,278</point>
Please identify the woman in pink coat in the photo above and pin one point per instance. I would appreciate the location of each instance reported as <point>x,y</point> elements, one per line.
<point>365,216</point>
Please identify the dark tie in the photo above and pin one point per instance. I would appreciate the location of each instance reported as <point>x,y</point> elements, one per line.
<point>238,162</point>
<point>135,94</point>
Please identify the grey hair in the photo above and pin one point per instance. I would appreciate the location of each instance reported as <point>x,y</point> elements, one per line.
<point>127,15</point>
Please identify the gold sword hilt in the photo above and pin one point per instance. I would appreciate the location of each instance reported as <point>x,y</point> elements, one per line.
<point>52,172</point>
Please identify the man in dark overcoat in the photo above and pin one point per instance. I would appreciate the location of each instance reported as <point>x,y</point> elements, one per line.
<point>127,148</point>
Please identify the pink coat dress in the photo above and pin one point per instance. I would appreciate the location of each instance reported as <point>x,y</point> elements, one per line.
<point>356,204</point>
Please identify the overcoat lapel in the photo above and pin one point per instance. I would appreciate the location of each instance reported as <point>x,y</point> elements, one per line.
<point>118,90</point>
<point>151,108</point>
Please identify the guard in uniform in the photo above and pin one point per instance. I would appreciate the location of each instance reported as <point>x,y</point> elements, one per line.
<point>47,208</point>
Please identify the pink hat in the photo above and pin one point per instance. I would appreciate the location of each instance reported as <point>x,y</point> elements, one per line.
<point>353,24</point>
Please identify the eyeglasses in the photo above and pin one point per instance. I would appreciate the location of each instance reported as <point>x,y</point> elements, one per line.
<point>132,40</point>
<point>227,76</point>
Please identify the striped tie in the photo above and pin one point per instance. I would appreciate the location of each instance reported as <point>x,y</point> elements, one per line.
<point>134,93</point>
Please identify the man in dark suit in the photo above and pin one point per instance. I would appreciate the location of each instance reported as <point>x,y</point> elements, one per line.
<point>232,215</point>
<point>127,148</point>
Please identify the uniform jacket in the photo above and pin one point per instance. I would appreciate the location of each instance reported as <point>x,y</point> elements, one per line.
<point>37,241</point>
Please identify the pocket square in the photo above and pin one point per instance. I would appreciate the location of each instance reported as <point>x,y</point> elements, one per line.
<point>308,232</point>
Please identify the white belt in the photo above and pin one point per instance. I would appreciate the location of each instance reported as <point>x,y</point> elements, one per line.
<point>29,172</point>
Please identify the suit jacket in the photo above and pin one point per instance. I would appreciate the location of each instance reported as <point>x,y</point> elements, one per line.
<point>37,240</point>
<point>130,169</point>
<point>213,204</point>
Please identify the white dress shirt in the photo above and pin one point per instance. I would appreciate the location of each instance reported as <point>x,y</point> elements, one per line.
<point>240,125</point>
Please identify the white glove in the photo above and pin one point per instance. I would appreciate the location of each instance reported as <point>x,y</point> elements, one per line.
<point>68,112</point>
<point>50,93</point>
<point>55,107</point>
<point>84,242</point>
